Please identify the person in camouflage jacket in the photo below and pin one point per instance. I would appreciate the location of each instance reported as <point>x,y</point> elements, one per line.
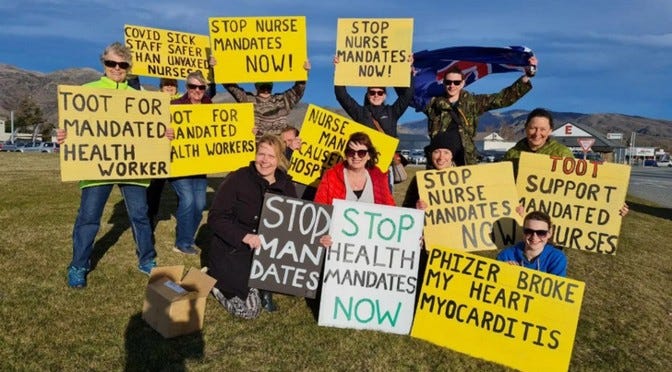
<point>457,112</point>
<point>270,110</point>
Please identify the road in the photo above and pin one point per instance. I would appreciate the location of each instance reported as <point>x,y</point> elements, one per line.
<point>652,184</point>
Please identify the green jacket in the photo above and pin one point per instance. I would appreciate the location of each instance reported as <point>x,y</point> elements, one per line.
<point>470,107</point>
<point>551,148</point>
<point>108,83</point>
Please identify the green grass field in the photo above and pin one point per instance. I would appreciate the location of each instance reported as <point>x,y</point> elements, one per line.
<point>625,323</point>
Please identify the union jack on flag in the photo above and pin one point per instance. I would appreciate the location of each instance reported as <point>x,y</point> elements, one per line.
<point>474,62</point>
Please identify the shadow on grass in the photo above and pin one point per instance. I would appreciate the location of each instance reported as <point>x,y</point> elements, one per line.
<point>120,223</point>
<point>147,350</point>
<point>661,212</point>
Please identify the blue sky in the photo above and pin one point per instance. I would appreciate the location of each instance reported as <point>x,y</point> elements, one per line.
<point>595,56</point>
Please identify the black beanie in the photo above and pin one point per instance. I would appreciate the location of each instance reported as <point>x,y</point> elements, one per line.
<point>444,140</point>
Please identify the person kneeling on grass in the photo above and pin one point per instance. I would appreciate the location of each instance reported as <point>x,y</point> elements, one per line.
<point>534,251</point>
<point>234,219</point>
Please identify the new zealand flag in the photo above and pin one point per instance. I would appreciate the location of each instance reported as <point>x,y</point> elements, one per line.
<point>474,62</point>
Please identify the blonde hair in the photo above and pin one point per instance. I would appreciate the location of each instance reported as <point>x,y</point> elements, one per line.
<point>278,147</point>
<point>198,75</point>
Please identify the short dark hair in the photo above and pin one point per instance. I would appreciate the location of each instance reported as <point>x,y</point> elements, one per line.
<point>539,112</point>
<point>538,216</point>
<point>290,128</point>
<point>453,70</point>
<point>167,82</point>
<point>364,139</point>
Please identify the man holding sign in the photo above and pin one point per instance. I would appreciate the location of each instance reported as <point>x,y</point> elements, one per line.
<point>117,63</point>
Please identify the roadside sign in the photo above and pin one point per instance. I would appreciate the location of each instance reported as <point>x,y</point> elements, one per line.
<point>586,143</point>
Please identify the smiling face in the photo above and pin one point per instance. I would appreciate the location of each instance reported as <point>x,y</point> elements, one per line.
<point>532,231</point>
<point>453,84</point>
<point>266,161</point>
<point>442,158</point>
<point>376,96</point>
<point>537,131</point>
<point>116,72</point>
<point>195,90</point>
<point>356,155</point>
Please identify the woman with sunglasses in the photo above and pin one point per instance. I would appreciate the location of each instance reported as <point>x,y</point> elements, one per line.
<point>190,190</point>
<point>117,63</point>
<point>375,113</point>
<point>534,251</point>
<point>356,178</point>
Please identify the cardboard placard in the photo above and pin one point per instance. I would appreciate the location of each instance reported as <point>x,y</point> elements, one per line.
<point>374,52</point>
<point>113,134</point>
<point>259,49</point>
<point>290,258</point>
<point>166,53</point>
<point>371,269</point>
<point>324,135</point>
<point>508,314</point>
<point>211,138</point>
<point>582,197</point>
<point>470,208</point>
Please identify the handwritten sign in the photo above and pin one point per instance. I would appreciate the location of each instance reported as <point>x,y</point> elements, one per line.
<point>325,135</point>
<point>522,318</point>
<point>113,134</point>
<point>582,197</point>
<point>371,269</point>
<point>211,138</point>
<point>374,52</point>
<point>290,258</point>
<point>259,49</point>
<point>466,205</point>
<point>166,53</point>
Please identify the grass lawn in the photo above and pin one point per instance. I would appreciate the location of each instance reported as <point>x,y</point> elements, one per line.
<point>625,323</point>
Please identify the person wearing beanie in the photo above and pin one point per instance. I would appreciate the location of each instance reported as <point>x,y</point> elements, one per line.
<point>440,150</point>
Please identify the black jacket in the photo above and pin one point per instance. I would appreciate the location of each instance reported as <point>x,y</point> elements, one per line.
<point>387,115</point>
<point>235,212</point>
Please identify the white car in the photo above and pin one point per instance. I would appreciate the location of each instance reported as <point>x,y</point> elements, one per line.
<point>46,147</point>
<point>417,157</point>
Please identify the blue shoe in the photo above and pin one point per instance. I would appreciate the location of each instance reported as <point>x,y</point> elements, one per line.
<point>147,267</point>
<point>188,250</point>
<point>77,277</point>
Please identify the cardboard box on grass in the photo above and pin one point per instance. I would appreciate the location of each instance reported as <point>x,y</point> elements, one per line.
<point>174,305</point>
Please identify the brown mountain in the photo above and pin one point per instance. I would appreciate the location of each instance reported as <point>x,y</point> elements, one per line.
<point>15,84</point>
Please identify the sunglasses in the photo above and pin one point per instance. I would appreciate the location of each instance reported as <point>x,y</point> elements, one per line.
<point>113,64</point>
<point>351,153</point>
<point>540,233</point>
<point>454,82</point>
<point>196,86</point>
<point>376,92</point>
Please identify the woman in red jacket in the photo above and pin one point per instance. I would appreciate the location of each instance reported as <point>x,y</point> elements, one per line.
<point>357,178</point>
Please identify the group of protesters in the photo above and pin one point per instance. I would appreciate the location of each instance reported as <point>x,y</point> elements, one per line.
<point>234,214</point>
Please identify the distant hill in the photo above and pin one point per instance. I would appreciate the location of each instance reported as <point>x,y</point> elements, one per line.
<point>16,83</point>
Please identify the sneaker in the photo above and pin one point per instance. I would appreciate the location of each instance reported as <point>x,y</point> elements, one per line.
<point>147,267</point>
<point>188,250</point>
<point>77,277</point>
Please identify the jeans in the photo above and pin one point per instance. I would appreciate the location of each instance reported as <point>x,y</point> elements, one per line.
<point>90,211</point>
<point>191,192</point>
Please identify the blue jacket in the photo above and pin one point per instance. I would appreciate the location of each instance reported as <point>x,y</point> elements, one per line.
<point>551,260</point>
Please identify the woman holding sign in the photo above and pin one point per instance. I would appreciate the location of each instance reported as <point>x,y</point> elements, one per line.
<point>534,252</point>
<point>234,219</point>
<point>117,62</point>
<point>357,178</point>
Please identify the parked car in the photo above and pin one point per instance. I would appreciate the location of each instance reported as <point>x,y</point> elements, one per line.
<point>491,156</point>
<point>417,156</point>
<point>650,163</point>
<point>45,147</point>
<point>8,146</point>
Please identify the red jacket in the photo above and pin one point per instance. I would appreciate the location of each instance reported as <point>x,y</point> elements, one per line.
<point>332,186</point>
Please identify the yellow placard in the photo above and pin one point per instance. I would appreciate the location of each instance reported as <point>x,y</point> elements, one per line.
<point>211,138</point>
<point>259,49</point>
<point>324,135</point>
<point>374,52</point>
<point>583,198</point>
<point>166,53</point>
<point>113,134</point>
<point>518,317</point>
<point>467,205</point>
